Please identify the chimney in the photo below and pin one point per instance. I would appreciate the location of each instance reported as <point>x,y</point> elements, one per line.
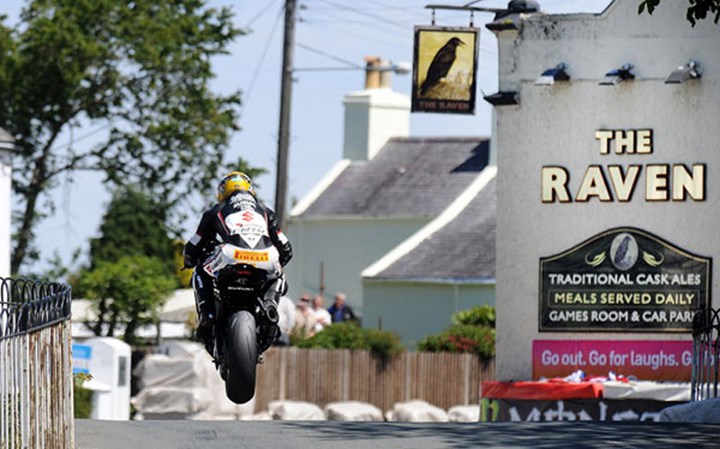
<point>375,114</point>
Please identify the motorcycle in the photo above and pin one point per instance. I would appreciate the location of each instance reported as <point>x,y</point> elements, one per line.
<point>245,323</point>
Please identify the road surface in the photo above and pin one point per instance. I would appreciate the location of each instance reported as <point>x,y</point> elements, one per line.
<point>94,434</point>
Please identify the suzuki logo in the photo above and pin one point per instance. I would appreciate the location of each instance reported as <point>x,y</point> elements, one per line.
<point>248,215</point>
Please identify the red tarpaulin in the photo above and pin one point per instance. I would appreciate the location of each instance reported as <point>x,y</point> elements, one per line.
<point>551,390</point>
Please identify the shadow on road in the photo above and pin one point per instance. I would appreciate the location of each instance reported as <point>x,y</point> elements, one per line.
<point>528,434</point>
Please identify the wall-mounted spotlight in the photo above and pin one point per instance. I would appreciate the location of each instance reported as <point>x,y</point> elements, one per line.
<point>503,98</point>
<point>684,73</point>
<point>618,75</point>
<point>549,76</point>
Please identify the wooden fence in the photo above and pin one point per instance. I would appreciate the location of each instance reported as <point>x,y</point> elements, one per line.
<point>321,376</point>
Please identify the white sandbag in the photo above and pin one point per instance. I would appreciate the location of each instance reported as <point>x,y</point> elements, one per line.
<point>180,348</point>
<point>182,382</point>
<point>464,413</point>
<point>353,411</point>
<point>295,411</point>
<point>162,370</point>
<point>416,411</point>
<point>170,400</point>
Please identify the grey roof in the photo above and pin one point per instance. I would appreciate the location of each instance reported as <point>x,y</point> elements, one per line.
<point>408,177</point>
<point>463,250</point>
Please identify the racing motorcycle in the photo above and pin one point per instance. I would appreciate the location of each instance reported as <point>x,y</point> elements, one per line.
<point>245,322</point>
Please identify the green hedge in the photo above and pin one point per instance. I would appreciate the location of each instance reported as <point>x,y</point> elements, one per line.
<point>82,398</point>
<point>477,316</point>
<point>350,335</point>
<point>473,331</point>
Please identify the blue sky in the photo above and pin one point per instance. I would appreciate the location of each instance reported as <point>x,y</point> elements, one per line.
<point>330,34</point>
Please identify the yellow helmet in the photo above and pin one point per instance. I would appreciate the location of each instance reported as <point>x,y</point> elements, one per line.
<point>234,182</point>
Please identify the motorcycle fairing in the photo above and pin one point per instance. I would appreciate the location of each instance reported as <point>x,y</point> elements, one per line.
<point>225,255</point>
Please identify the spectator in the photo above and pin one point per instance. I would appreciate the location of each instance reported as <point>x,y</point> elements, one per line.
<point>286,310</point>
<point>340,311</point>
<point>322,316</point>
<point>304,318</point>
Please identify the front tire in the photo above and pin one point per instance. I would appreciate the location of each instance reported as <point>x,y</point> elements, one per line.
<point>241,357</point>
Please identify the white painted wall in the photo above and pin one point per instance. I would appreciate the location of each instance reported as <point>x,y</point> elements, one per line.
<point>415,310</point>
<point>556,126</point>
<point>5,210</point>
<point>346,246</point>
<point>372,116</point>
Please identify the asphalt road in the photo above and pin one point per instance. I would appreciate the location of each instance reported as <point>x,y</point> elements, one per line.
<point>93,434</point>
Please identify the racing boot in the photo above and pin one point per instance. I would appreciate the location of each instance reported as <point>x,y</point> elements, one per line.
<point>204,330</point>
<point>203,292</point>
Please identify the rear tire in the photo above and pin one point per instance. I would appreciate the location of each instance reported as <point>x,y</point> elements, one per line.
<point>241,357</point>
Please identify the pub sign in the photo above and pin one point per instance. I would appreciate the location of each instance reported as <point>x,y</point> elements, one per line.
<point>623,279</point>
<point>444,66</point>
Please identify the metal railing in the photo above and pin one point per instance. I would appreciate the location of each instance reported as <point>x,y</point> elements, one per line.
<point>706,353</point>
<point>36,396</point>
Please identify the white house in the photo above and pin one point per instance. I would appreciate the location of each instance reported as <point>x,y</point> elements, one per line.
<point>393,191</point>
<point>446,267</point>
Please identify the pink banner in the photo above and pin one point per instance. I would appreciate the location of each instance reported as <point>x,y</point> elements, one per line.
<point>659,360</point>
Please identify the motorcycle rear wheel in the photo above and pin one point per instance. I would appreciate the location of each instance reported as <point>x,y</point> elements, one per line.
<point>241,357</point>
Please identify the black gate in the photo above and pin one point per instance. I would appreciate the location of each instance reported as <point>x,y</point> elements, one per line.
<point>706,353</point>
<point>36,408</point>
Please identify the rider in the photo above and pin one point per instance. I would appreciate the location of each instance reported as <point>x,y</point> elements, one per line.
<point>235,194</point>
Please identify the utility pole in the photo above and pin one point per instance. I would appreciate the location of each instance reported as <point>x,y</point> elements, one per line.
<point>285,102</point>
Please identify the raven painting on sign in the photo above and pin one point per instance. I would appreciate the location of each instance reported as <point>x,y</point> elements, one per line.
<point>444,66</point>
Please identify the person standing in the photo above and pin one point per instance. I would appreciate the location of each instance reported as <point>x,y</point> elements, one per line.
<point>286,310</point>
<point>322,316</point>
<point>304,318</point>
<point>340,311</point>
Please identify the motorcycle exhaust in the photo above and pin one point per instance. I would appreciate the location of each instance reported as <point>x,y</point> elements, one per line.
<point>271,312</point>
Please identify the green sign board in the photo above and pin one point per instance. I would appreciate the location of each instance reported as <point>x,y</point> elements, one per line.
<point>623,279</point>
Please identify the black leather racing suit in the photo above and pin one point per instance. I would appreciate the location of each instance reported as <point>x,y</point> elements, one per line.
<point>213,229</point>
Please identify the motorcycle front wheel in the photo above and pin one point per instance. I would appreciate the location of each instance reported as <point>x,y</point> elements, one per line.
<point>241,357</point>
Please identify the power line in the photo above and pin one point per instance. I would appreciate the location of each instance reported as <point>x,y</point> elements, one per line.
<point>360,21</point>
<point>349,32</point>
<point>388,13</point>
<point>335,19</point>
<point>262,60</point>
<point>405,10</point>
<point>328,55</point>
<point>322,17</point>
<point>260,14</point>
<point>336,25</point>
<point>363,13</point>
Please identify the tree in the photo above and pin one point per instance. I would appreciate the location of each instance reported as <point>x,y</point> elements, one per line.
<point>138,69</point>
<point>134,224</point>
<point>127,293</point>
<point>698,9</point>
